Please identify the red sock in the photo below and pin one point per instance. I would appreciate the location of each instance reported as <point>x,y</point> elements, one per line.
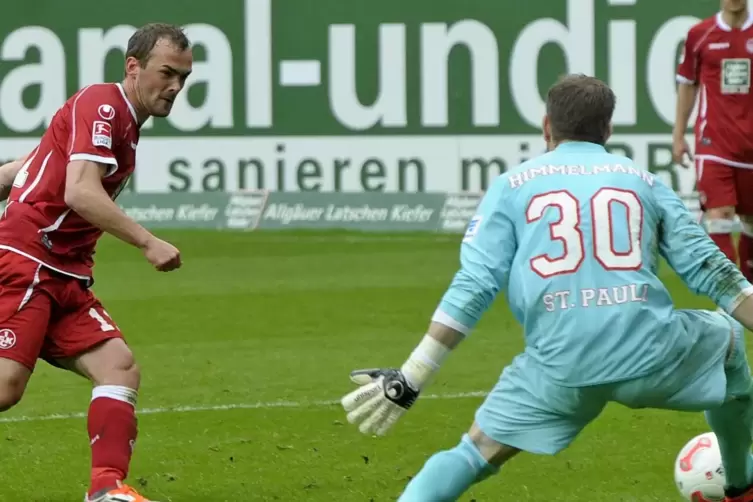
<point>724,241</point>
<point>745,248</point>
<point>112,434</point>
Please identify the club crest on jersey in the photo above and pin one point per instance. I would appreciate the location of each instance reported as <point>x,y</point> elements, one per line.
<point>7,339</point>
<point>472,229</point>
<point>107,112</point>
<point>735,76</point>
<point>102,134</point>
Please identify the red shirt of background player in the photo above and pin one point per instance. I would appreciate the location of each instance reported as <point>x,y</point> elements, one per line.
<point>99,124</point>
<point>717,58</point>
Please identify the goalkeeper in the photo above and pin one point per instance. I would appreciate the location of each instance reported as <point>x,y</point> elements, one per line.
<point>574,238</point>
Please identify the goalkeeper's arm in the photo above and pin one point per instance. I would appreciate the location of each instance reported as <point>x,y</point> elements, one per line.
<point>486,256</point>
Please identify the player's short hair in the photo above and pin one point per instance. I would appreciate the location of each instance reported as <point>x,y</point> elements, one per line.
<point>580,108</point>
<point>142,42</point>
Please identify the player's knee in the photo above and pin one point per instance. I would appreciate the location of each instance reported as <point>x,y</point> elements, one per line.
<point>11,393</point>
<point>493,452</point>
<point>9,397</point>
<point>12,387</point>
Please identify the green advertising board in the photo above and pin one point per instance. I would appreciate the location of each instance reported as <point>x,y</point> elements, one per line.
<point>353,96</point>
<point>266,210</point>
<point>280,210</point>
<point>368,211</point>
<point>215,210</point>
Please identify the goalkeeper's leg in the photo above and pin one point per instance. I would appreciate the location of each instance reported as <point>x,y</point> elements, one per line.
<point>713,375</point>
<point>525,411</point>
<point>732,422</point>
<point>448,474</point>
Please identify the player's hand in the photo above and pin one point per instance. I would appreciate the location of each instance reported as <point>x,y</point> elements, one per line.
<point>163,255</point>
<point>383,397</point>
<point>681,152</point>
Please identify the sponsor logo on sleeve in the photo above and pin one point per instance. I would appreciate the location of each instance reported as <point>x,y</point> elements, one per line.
<point>107,112</point>
<point>472,229</point>
<point>102,134</point>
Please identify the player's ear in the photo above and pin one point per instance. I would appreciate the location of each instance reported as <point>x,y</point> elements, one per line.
<point>610,131</point>
<point>546,128</point>
<point>132,66</point>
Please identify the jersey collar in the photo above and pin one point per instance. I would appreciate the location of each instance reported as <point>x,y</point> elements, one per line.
<point>579,146</point>
<point>724,26</point>
<point>128,103</point>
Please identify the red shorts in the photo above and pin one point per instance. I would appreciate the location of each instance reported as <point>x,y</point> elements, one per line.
<point>720,185</point>
<point>47,315</point>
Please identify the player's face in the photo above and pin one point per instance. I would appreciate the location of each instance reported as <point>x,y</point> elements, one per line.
<point>734,6</point>
<point>162,79</point>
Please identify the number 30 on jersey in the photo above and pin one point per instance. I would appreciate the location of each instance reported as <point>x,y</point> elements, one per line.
<point>567,230</point>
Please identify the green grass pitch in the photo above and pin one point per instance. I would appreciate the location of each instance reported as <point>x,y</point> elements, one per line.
<point>246,350</point>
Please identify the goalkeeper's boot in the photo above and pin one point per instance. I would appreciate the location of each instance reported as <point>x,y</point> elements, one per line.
<point>747,496</point>
<point>121,493</point>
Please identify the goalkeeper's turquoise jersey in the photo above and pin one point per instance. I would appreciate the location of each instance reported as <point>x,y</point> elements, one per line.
<point>573,238</point>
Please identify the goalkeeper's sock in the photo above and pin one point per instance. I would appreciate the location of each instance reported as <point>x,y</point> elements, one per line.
<point>448,474</point>
<point>732,422</point>
<point>112,434</point>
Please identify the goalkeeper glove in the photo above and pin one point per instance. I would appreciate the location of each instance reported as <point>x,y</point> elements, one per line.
<point>385,394</point>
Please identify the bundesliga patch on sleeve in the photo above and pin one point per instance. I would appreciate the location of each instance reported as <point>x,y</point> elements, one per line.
<point>472,229</point>
<point>102,134</point>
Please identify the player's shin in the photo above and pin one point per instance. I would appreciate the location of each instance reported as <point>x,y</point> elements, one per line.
<point>448,474</point>
<point>733,421</point>
<point>112,433</point>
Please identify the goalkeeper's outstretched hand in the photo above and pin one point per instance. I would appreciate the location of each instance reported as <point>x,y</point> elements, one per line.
<point>383,397</point>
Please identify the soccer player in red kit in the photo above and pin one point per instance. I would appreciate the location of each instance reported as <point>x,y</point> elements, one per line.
<point>60,203</point>
<point>716,66</point>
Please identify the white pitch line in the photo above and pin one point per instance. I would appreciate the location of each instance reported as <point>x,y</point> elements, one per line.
<point>225,407</point>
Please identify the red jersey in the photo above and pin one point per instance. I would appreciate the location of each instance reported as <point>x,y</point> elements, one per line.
<point>99,124</point>
<point>717,58</point>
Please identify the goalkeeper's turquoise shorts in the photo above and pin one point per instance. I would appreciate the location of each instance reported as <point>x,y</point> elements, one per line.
<point>529,411</point>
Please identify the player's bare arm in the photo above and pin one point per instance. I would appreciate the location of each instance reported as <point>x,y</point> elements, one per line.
<point>445,335</point>
<point>7,175</point>
<point>686,96</point>
<point>85,195</point>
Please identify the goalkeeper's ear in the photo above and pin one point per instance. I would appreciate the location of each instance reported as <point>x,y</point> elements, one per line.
<point>363,377</point>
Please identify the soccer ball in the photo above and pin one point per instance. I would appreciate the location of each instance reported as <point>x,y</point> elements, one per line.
<point>699,473</point>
